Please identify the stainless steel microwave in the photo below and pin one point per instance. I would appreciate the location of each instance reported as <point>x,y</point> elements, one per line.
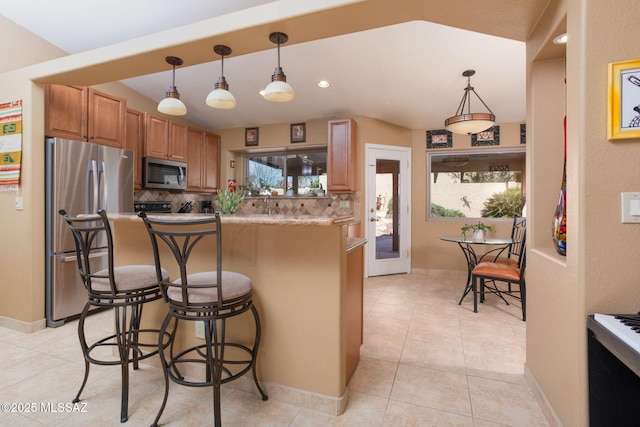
<point>162,174</point>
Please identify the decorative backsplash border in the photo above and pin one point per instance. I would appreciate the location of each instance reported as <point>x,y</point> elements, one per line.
<point>329,206</point>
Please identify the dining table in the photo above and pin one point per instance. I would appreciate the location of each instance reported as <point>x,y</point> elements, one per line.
<point>470,247</point>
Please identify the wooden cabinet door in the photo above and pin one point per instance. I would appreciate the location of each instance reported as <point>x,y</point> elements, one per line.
<point>66,112</point>
<point>195,141</point>
<point>211,162</point>
<point>341,155</point>
<point>177,142</point>
<point>134,139</point>
<point>106,118</point>
<point>156,136</point>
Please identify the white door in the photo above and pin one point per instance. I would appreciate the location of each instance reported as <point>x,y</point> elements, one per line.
<point>388,197</point>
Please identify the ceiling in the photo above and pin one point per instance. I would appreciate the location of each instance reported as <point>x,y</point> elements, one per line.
<point>409,74</point>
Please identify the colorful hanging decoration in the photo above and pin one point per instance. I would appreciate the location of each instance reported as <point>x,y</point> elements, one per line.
<point>10,145</point>
<point>560,218</point>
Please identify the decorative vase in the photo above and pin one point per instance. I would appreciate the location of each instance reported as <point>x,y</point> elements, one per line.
<point>478,236</point>
<point>559,226</point>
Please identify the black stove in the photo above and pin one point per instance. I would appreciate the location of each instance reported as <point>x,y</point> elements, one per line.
<point>155,207</point>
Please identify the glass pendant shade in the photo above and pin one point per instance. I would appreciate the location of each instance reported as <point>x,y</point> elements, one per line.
<point>278,90</point>
<point>470,123</point>
<point>467,122</point>
<point>171,104</point>
<point>220,97</point>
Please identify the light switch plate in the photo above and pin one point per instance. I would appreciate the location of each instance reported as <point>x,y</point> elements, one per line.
<point>630,208</point>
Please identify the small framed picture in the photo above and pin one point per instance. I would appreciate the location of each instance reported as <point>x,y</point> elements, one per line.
<point>250,137</point>
<point>298,132</point>
<point>623,121</point>
<point>490,136</point>
<point>439,139</point>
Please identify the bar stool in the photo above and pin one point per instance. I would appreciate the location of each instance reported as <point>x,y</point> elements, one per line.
<point>125,289</point>
<point>211,297</point>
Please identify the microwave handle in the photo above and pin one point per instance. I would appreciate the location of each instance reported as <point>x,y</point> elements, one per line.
<point>181,180</point>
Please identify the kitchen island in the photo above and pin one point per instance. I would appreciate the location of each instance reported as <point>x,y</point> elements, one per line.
<point>307,280</point>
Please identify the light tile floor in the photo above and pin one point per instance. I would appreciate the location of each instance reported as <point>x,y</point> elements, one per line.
<point>426,361</point>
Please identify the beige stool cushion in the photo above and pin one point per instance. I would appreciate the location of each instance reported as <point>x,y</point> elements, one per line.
<point>234,285</point>
<point>128,278</point>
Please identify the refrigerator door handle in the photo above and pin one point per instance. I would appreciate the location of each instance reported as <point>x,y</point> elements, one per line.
<point>102,192</point>
<point>93,184</point>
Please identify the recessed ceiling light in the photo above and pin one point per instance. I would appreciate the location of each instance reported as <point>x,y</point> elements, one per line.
<point>323,84</point>
<point>561,39</point>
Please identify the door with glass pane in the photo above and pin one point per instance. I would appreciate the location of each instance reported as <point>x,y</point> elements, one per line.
<point>388,196</point>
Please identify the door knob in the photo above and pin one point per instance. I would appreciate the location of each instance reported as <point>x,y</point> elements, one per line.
<point>372,219</point>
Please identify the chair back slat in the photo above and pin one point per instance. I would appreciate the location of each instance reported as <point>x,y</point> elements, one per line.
<point>88,231</point>
<point>180,237</point>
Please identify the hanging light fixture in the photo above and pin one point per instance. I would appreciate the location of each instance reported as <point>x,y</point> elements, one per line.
<point>220,97</point>
<point>468,122</point>
<point>278,90</point>
<point>171,104</point>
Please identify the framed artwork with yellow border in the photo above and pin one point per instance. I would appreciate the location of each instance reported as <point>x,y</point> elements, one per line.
<point>623,121</point>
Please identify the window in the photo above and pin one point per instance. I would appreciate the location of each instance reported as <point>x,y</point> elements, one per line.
<point>475,184</point>
<point>305,172</point>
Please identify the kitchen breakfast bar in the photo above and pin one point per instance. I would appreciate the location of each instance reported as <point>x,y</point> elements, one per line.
<point>307,277</point>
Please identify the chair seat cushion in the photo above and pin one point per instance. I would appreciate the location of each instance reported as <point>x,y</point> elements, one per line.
<point>128,278</point>
<point>507,261</point>
<point>234,285</point>
<point>500,271</point>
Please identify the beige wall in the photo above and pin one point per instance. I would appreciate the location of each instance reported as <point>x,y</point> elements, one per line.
<point>600,272</point>
<point>427,250</point>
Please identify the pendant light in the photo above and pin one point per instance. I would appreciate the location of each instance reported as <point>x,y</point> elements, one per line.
<point>172,105</point>
<point>220,97</point>
<point>468,122</point>
<point>278,90</point>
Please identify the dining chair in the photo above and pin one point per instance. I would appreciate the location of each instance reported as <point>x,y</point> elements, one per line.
<point>212,297</point>
<point>487,275</point>
<point>123,289</point>
<point>514,250</point>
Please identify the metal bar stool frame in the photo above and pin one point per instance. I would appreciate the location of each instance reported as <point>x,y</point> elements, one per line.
<point>180,237</point>
<point>127,304</point>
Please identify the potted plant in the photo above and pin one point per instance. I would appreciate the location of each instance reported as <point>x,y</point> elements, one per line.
<point>229,201</point>
<point>479,230</point>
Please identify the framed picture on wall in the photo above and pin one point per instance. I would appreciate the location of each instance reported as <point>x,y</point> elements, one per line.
<point>441,138</point>
<point>490,136</point>
<point>250,137</point>
<point>623,121</point>
<point>298,132</point>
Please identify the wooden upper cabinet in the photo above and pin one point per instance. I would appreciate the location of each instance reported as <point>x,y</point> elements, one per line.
<point>156,139</point>
<point>203,154</point>
<point>84,114</point>
<point>66,112</point>
<point>195,140</point>
<point>211,162</point>
<point>177,148</point>
<point>134,141</point>
<point>107,116</point>
<point>341,156</point>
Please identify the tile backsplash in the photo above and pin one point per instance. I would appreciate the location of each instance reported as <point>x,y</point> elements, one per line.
<point>331,205</point>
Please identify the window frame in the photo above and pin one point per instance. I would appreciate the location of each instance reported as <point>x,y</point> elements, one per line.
<point>280,152</point>
<point>483,152</point>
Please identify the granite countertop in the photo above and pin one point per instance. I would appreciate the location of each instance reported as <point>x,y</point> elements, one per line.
<point>355,242</point>
<point>243,219</point>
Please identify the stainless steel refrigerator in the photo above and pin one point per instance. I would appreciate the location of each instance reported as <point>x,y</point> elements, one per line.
<point>81,177</point>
